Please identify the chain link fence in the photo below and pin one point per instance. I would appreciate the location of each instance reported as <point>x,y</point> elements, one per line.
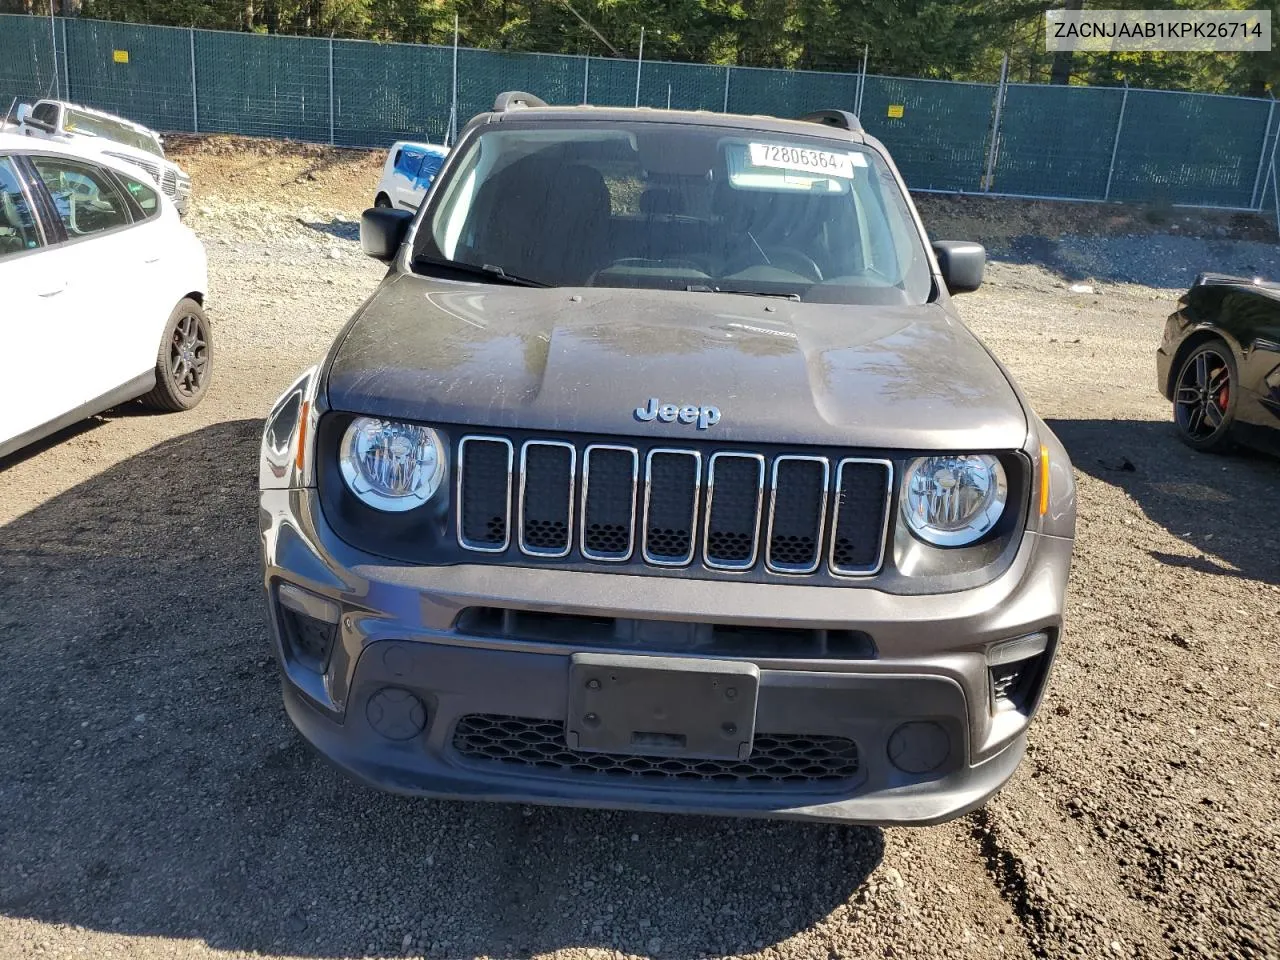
<point>1050,142</point>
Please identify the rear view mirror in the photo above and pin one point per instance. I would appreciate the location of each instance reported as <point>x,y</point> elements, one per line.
<point>382,230</point>
<point>962,264</point>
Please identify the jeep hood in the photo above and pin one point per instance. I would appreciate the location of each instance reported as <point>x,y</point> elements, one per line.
<point>581,360</point>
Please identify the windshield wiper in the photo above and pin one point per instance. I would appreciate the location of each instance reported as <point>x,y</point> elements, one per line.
<point>704,288</point>
<point>488,271</point>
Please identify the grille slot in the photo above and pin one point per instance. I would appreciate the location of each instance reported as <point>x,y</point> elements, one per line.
<point>609,476</point>
<point>861,516</point>
<point>546,497</point>
<point>735,491</point>
<point>797,512</point>
<point>788,761</point>
<point>672,478</point>
<point>484,493</point>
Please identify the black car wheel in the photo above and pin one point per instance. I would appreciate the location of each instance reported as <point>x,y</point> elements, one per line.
<point>382,200</point>
<point>183,363</point>
<point>1204,399</point>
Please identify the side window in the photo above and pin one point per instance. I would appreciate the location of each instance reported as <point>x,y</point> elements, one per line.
<point>17,225</point>
<point>431,165</point>
<point>410,161</point>
<point>84,196</point>
<point>399,158</point>
<point>143,195</point>
<point>46,112</point>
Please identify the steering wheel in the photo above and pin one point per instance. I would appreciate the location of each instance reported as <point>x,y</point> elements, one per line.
<point>789,258</point>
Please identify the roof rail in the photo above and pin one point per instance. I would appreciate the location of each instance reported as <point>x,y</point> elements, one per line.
<point>834,118</point>
<point>514,99</point>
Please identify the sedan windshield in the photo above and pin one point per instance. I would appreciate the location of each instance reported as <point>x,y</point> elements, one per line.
<point>678,207</point>
<point>88,124</point>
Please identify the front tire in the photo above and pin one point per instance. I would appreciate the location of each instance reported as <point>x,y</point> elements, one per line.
<point>1204,397</point>
<point>184,361</point>
<point>382,200</point>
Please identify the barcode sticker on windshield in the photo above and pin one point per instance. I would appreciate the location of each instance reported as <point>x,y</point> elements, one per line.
<point>799,158</point>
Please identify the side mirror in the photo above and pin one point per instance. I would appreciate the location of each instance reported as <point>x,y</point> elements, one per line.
<point>961,263</point>
<point>382,231</point>
<point>31,121</point>
<point>21,112</point>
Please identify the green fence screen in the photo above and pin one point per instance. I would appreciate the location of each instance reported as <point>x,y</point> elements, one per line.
<point>1084,143</point>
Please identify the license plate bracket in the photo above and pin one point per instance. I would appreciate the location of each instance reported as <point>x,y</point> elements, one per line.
<point>661,706</point>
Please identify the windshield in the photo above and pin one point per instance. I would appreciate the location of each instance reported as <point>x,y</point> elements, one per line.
<point>87,124</point>
<point>683,207</point>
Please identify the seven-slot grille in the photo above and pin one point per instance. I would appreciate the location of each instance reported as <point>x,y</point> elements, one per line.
<point>668,507</point>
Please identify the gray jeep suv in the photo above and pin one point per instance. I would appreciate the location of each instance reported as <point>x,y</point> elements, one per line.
<point>660,473</point>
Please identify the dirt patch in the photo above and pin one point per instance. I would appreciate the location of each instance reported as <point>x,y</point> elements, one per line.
<point>286,171</point>
<point>996,220</point>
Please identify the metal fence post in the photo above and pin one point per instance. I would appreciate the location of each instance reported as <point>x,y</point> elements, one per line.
<point>1254,199</point>
<point>1115,143</point>
<point>66,72</point>
<point>53,42</point>
<point>453,110</point>
<point>995,123</point>
<point>586,77</point>
<point>639,65</point>
<point>727,71</point>
<point>330,90</point>
<point>862,81</point>
<point>195,103</point>
<point>1272,168</point>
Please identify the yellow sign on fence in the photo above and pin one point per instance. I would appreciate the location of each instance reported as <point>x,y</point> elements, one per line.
<point>895,111</point>
<point>120,56</point>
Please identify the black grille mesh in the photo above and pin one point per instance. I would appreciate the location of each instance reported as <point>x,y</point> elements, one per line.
<point>860,508</point>
<point>735,502</point>
<point>673,481</point>
<point>797,517</point>
<point>777,760</point>
<point>606,525</point>
<point>486,472</point>
<point>840,526</point>
<point>548,478</point>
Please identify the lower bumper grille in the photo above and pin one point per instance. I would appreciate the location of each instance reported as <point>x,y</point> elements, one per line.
<point>777,760</point>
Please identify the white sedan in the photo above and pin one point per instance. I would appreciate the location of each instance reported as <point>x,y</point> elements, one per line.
<point>102,291</point>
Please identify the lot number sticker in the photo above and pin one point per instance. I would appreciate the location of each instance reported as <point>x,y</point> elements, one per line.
<point>798,158</point>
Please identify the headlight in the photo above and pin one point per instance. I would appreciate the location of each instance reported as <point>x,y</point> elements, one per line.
<point>392,466</point>
<point>953,500</point>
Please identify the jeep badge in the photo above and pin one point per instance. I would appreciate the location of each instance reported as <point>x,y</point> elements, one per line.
<point>669,413</point>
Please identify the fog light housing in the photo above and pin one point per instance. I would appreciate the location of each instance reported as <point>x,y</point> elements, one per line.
<point>1014,668</point>
<point>919,747</point>
<point>308,626</point>
<point>396,714</point>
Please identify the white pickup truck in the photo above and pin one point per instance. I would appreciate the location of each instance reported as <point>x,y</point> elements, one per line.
<point>110,135</point>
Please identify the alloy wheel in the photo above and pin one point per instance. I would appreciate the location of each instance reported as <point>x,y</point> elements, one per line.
<point>1203,395</point>
<point>189,355</point>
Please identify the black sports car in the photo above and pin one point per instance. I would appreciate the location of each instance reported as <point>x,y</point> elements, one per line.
<point>1219,363</point>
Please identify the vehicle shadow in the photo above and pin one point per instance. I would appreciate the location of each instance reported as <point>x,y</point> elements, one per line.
<point>1226,507</point>
<point>342,229</point>
<point>151,785</point>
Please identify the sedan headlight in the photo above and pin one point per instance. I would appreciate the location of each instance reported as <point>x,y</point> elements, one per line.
<point>953,500</point>
<point>390,465</point>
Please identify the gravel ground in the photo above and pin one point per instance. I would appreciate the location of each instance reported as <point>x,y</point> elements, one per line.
<point>154,801</point>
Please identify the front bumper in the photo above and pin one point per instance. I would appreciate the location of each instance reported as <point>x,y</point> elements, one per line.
<point>391,697</point>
